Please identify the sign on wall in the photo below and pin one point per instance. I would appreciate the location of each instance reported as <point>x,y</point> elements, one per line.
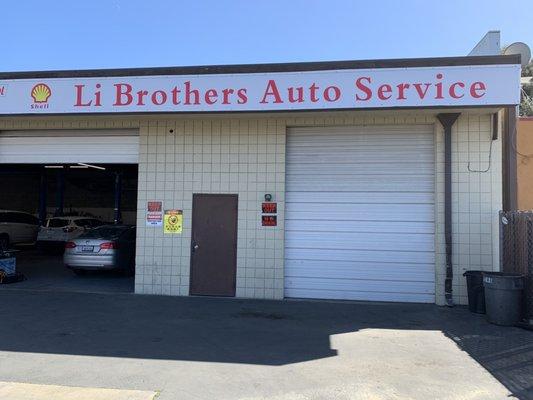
<point>173,221</point>
<point>269,220</point>
<point>476,85</point>
<point>269,208</point>
<point>154,213</point>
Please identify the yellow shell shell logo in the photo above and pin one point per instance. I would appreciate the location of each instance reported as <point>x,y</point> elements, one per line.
<point>40,93</point>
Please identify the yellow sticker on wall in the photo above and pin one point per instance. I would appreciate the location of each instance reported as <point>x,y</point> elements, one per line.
<point>173,221</point>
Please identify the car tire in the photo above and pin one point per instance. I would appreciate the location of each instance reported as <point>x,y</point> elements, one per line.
<point>79,272</point>
<point>4,242</point>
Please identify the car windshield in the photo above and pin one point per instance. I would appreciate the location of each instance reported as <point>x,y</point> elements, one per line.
<point>105,232</point>
<point>57,223</point>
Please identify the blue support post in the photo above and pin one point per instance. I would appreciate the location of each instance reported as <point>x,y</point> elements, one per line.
<point>42,197</point>
<point>118,197</point>
<point>60,192</point>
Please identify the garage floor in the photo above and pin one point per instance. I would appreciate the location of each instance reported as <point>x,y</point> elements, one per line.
<point>47,272</point>
<point>207,348</point>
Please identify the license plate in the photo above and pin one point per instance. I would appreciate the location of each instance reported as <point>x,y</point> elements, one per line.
<point>87,249</point>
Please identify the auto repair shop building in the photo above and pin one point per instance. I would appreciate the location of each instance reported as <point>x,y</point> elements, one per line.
<point>329,180</point>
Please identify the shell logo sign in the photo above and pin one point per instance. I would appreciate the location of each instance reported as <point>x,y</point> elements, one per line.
<point>40,93</point>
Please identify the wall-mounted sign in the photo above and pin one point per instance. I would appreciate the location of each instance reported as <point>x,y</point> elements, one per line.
<point>269,220</point>
<point>269,208</point>
<point>173,221</point>
<point>154,213</point>
<point>468,85</point>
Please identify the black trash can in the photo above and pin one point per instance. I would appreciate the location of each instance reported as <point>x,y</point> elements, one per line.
<point>503,297</point>
<point>476,291</point>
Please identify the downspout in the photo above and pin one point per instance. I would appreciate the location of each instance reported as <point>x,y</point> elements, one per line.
<point>447,120</point>
<point>509,171</point>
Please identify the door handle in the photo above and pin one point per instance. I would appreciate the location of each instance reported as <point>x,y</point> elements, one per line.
<point>195,247</point>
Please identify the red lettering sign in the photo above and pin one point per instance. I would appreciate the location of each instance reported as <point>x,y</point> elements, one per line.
<point>415,87</point>
<point>269,220</point>
<point>269,208</point>
<point>365,90</point>
<point>154,206</point>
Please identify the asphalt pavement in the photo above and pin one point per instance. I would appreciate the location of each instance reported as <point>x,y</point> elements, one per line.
<point>211,348</point>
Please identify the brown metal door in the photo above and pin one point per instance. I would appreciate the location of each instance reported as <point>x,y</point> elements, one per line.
<point>214,244</point>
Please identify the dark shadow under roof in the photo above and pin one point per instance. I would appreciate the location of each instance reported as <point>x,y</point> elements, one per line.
<point>265,68</point>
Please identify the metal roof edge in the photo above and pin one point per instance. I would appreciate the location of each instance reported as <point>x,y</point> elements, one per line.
<point>269,68</point>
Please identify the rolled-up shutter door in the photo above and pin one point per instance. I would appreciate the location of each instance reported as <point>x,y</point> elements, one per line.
<point>359,221</point>
<point>113,146</point>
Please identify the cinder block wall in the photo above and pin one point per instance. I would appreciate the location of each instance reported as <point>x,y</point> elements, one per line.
<point>245,154</point>
<point>476,201</point>
<point>239,156</point>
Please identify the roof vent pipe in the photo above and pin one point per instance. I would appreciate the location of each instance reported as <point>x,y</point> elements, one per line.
<point>447,120</point>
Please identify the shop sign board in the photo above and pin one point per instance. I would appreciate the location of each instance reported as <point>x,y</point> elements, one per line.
<point>443,86</point>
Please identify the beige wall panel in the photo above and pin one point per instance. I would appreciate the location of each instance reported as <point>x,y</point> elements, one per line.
<point>245,154</point>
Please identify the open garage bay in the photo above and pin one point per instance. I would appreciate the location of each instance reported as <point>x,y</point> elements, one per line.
<point>44,206</point>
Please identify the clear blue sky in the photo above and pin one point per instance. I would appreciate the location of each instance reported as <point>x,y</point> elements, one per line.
<point>76,34</point>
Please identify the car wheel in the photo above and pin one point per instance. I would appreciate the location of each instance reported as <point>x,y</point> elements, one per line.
<point>80,272</point>
<point>4,242</point>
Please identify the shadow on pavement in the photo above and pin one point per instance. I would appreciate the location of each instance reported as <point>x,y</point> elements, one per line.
<point>242,331</point>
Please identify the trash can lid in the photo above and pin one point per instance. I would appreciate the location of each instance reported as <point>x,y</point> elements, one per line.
<point>504,274</point>
<point>473,272</point>
<point>503,280</point>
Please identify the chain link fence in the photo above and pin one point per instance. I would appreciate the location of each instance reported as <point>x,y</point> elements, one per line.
<point>517,250</point>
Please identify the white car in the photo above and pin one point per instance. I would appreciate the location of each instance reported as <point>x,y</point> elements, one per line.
<point>17,227</point>
<point>59,230</point>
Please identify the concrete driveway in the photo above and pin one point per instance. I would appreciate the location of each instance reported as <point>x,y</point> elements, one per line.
<point>204,348</point>
<point>47,272</point>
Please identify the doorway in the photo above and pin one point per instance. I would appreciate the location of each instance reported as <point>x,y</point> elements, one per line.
<point>214,244</point>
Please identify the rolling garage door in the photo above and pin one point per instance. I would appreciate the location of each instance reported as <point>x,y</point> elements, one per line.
<point>359,220</point>
<point>116,146</point>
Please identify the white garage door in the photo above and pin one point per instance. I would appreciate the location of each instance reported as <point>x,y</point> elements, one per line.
<point>359,220</point>
<point>117,146</point>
